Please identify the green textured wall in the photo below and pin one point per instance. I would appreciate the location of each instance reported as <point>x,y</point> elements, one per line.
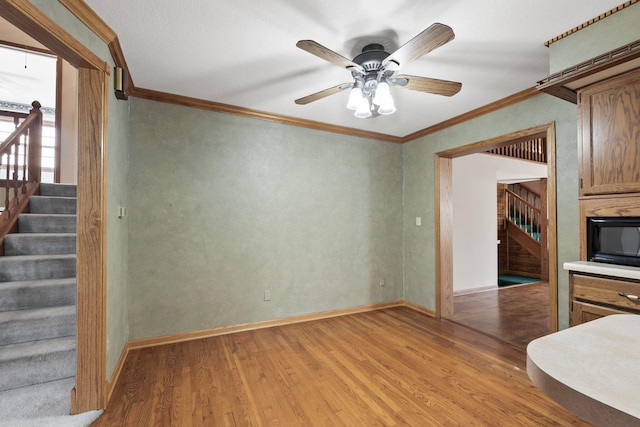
<point>117,191</point>
<point>615,30</point>
<point>224,207</point>
<point>419,189</point>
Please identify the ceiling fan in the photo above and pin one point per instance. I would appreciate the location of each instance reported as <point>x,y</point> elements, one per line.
<point>375,70</point>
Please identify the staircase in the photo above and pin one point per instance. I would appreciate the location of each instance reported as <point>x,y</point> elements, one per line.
<point>37,307</point>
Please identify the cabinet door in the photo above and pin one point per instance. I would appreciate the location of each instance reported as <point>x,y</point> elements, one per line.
<point>582,312</point>
<point>609,132</point>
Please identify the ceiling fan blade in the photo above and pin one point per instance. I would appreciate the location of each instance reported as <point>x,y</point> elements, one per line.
<point>323,93</point>
<point>327,54</point>
<point>429,85</point>
<point>431,38</point>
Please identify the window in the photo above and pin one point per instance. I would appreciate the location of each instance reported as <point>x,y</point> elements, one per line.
<point>26,76</point>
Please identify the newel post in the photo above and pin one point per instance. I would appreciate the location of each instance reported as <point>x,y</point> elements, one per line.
<point>35,144</point>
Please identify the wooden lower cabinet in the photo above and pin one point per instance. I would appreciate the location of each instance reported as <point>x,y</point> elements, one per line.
<point>593,297</point>
<point>583,312</point>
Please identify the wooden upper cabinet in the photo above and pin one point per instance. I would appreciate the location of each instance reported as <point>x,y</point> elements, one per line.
<point>609,133</point>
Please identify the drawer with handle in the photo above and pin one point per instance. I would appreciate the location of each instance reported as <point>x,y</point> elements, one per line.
<point>611,292</point>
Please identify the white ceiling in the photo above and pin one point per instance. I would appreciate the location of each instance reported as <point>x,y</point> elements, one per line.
<point>243,52</point>
<point>25,76</point>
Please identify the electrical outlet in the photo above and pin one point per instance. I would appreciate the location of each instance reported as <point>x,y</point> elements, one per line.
<point>382,282</point>
<point>267,294</point>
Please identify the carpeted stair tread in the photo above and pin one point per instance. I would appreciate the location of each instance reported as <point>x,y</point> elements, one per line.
<point>52,205</point>
<point>37,362</point>
<point>47,223</point>
<point>37,324</point>
<point>38,311</point>
<point>38,400</point>
<point>39,244</point>
<point>23,295</point>
<point>59,190</point>
<point>35,267</point>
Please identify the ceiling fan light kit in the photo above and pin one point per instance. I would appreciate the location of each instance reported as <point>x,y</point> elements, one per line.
<point>374,72</point>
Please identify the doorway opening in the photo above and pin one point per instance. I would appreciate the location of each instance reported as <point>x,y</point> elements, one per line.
<point>445,304</point>
<point>90,129</point>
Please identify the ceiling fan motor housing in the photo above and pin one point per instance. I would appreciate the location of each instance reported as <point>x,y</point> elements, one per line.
<point>371,60</point>
<point>371,57</point>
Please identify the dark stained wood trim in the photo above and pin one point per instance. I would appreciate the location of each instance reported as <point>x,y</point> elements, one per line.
<point>58,119</point>
<point>561,92</point>
<point>501,103</point>
<point>590,22</point>
<point>28,18</point>
<point>26,47</point>
<point>89,18</point>
<point>91,242</point>
<point>444,235</point>
<point>523,239</point>
<point>117,372</point>
<point>552,227</point>
<point>611,63</point>
<point>194,335</point>
<point>118,58</point>
<point>255,114</point>
<point>500,141</point>
<point>100,28</point>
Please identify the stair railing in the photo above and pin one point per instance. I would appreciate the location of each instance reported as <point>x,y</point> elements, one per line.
<point>20,164</point>
<point>523,214</point>
<point>534,150</point>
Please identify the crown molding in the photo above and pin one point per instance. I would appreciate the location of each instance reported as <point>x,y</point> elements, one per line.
<point>256,114</point>
<point>486,109</point>
<point>90,18</point>
<point>158,96</point>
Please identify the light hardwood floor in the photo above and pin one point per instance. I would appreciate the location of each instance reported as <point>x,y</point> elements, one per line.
<point>388,367</point>
<point>514,314</point>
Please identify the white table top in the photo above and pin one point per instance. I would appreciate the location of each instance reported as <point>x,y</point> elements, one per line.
<point>592,369</point>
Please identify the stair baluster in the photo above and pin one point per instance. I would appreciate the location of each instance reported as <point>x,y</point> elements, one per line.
<point>523,214</point>
<point>24,146</point>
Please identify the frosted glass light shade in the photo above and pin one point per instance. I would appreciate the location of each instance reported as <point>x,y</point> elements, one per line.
<point>355,96</point>
<point>364,109</point>
<point>384,99</point>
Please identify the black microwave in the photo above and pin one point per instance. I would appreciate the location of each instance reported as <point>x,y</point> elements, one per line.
<point>614,240</point>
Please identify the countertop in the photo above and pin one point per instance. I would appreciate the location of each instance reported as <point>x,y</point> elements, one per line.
<point>592,369</point>
<point>613,270</point>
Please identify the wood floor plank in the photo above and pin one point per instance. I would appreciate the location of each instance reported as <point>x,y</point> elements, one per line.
<point>390,367</point>
<point>515,314</point>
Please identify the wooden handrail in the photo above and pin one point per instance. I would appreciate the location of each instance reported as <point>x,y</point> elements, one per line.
<point>523,214</point>
<point>20,157</point>
<point>15,115</point>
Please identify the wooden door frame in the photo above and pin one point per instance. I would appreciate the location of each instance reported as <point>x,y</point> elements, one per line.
<point>93,79</point>
<point>444,215</point>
